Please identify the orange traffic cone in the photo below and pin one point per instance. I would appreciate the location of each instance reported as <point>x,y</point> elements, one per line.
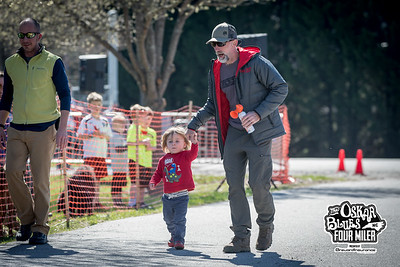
<point>359,168</point>
<point>341,161</point>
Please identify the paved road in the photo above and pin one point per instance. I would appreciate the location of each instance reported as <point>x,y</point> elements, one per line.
<point>314,166</point>
<point>299,238</point>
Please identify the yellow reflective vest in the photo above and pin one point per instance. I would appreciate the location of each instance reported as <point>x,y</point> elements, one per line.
<point>34,98</point>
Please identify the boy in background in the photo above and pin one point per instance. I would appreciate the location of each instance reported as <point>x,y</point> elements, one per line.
<point>95,132</point>
<point>145,140</point>
<point>119,158</point>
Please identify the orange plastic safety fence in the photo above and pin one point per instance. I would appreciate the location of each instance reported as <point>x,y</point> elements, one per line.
<point>280,150</point>
<point>87,192</point>
<point>8,215</point>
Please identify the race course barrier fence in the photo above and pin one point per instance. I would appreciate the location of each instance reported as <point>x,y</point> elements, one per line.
<point>87,195</point>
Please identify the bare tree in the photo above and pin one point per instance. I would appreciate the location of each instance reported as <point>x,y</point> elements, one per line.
<point>140,27</point>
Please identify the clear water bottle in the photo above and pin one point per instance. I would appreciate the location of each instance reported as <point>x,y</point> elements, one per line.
<point>251,128</point>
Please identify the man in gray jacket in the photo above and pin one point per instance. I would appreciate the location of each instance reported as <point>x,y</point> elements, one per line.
<point>241,76</point>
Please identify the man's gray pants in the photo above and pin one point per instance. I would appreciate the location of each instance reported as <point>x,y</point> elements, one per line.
<point>238,150</point>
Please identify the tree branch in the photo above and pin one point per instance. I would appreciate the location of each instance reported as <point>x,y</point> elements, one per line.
<point>89,30</point>
<point>159,39</point>
<point>169,67</point>
<point>138,74</point>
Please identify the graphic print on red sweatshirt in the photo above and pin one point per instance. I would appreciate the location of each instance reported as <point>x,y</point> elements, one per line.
<point>171,171</point>
<point>175,170</point>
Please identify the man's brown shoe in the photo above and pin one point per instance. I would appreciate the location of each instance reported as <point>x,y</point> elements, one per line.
<point>238,245</point>
<point>24,232</point>
<point>264,240</point>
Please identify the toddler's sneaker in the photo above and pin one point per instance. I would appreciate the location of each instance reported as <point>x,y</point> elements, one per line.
<point>179,245</point>
<point>171,242</point>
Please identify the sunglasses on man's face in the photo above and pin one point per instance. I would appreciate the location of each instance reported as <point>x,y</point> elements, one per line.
<point>28,35</point>
<point>219,44</point>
